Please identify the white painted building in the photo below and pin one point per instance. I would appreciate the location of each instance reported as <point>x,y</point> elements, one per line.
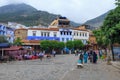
<point>66,34</point>
<point>43,34</point>
<point>59,34</point>
<point>16,25</point>
<point>59,30</point>
<point>81,34</point>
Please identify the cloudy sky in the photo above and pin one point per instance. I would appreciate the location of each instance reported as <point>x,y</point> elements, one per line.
<point>75,10</point>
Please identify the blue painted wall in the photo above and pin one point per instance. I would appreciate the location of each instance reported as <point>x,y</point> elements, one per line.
<point>42,38</point>
<point>2,30</point>
<point>65,35</point>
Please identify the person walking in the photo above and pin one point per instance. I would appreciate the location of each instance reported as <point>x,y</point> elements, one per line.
<point>94,57</point>
<point>91,56</point>
<point>79,63</point>
<point>100,53</point>
<point>75,53</point>
<point>41,54</point>
<point>85,56</point>
<point>54,53</point>
<point>81,57</point>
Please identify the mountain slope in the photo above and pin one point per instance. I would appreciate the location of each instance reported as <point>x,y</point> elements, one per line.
<point>26,14</point>
<point>98,21</point>
<point>16,8</point>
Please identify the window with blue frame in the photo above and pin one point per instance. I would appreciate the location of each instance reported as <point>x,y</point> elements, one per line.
<point>55,34</point>
<point>80,33</point>
<point>41,33</point>
<point>64,33</point>
<point>45,34</point>
<point>48,34</point>
<point>77,33</point>
<point>61,32</point>
<point>67,39</point>
<point>3,32</point>
<point>62,39</point>
<point>67,33</point>
<point>70,33</point>
<point>74,33</point>
<point>85,34</point>
<point>34,33</point>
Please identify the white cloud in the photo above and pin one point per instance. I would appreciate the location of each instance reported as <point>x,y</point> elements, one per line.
<point>76,10</point>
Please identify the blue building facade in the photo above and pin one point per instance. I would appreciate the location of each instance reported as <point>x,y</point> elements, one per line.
<point>43,34</point>
<point>65,34</point>
<point>2,30</point>
<point>42,38</point>
<point>10,34</point>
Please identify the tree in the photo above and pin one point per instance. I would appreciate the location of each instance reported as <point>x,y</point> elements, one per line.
<point>50,45</point>
<point>110,26</point>
<point>118,2</point>
<point>45,45</point>
<point>101,39</point>
<point>53,45</point>
<point>18,42</point>
<point>3,39</point>
<point>70,44</point>
<point>61,45</point>
<point>78,44</point>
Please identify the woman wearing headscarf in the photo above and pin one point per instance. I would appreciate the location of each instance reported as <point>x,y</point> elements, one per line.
<point>85,56</point>
<point>94,57</point>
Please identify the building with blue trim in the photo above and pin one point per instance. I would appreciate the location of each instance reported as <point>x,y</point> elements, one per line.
<point>2,30</point>
<point>10,34</point>
<point>59,30</point>
<point>65,34</point>
<point>43,34</point>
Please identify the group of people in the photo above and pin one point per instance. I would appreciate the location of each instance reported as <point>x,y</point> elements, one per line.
<point>40,55</point>
<point>87,55</point>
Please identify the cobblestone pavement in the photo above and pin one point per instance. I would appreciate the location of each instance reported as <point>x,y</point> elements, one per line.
<point>62,67</point>
<point>48,69</point>
<point>116,64</point>
<point>99,71</point>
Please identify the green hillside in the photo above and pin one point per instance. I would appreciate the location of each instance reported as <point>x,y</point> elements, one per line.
<point>98,21</point>
<point>26,15</point>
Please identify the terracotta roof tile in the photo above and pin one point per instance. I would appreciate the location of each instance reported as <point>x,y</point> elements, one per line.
<point>48,29</point>
<point>21,29</point>
<point>31,41</point>
<point>80,29</point>
<point>13,48</point>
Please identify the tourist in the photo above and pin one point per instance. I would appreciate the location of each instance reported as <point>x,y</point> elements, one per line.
<point>53,53</point>
<point>41,55</point>
<point>90,56</point>
<point>94,57</point>
<point>100,53</point>
<point>85,56</point>
<point>81,57</point>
